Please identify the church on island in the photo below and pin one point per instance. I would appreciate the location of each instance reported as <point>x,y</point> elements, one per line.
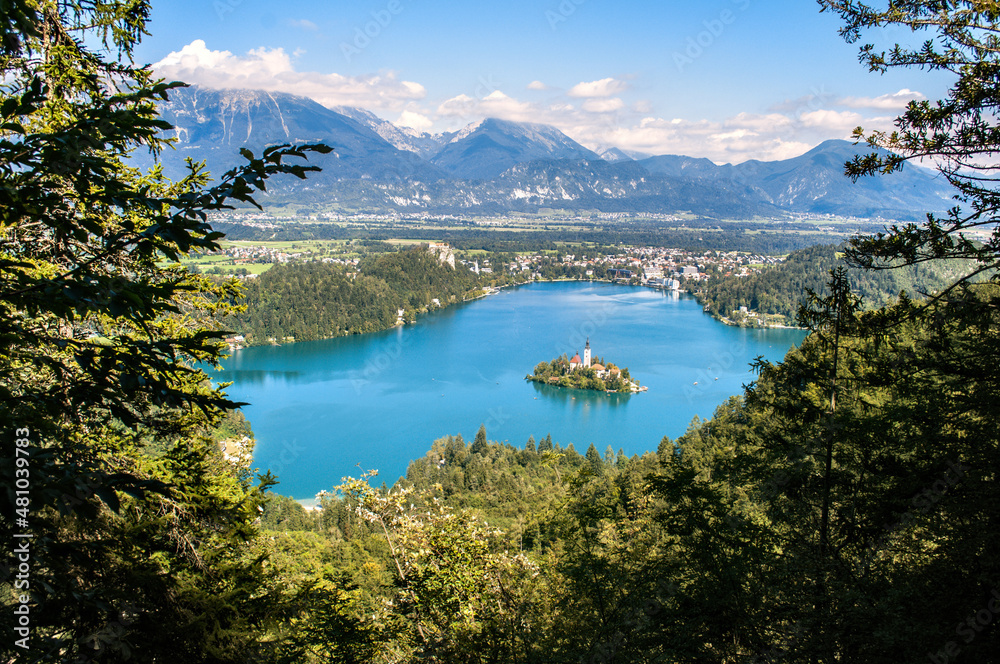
<point>586,363</point>
<point>584,374</point>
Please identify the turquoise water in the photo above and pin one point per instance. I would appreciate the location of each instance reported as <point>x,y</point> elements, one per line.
<point>319,409</point>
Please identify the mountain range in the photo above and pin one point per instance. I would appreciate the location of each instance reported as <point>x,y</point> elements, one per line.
<point>494,166</point>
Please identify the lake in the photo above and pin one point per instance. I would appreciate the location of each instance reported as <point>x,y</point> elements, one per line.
<point>319,409</point>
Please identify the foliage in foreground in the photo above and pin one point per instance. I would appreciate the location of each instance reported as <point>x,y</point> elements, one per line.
<point>142,544</point>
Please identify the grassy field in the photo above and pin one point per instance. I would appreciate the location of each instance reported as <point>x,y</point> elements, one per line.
<point>225,264</point>
<point>308,250</point>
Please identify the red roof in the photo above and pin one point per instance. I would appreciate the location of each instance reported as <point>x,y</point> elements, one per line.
<point>576,359</point>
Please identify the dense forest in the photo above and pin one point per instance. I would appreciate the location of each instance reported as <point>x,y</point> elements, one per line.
<point>317,300</point>
<point>844,509</point>
<point>777,292</point>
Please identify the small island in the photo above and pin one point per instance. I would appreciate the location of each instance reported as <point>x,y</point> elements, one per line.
<point>585,374</point>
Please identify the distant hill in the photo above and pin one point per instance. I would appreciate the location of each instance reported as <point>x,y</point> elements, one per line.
<point>494,166</point>
<point>486,149</point>
<point>402,138</point>
<point>679,166</point>
<point>777,292</point>
<point>212,125</point>
<point>815,182</point>
<point>614,154</point>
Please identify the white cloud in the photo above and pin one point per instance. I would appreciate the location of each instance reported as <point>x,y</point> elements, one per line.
<point>537,85</point>
<point>736,139</point>
<point>603,105</point>
<point>892,101</point>
<point>498,105</point>
<point>494,105</point>
<point>833,121</point>
<point>734,135</point>
<point>458,106</point>
<point>303,23</point>
<point>415,120</point>
<point>606,87</point>
<point>273,70</point>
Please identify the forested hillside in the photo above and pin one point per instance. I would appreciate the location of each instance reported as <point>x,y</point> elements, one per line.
<point>777,292</point>
<point>318,300</point>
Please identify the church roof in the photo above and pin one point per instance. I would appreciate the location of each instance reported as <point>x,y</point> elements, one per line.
<point>576,359</point>
<point>597,367</point>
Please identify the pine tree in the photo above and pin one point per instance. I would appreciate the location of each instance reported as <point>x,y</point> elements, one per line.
<point>138,523</point>
<point>933,351</point>
<point>666,448</point>
<point>594,459</point>
<point>958,133</point>
<point>480,444</point>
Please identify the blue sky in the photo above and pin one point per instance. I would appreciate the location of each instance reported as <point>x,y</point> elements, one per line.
<point>725,79</point>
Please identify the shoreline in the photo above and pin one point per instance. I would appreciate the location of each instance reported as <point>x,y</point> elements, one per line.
<point>495,290</point>
<point>636,388</point>
<point>731,323</point>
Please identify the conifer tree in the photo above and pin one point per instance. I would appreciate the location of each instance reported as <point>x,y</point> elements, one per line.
<point>959,134</point>
<point>480,444</point>
<point>137,523</point>
<point>594,459</point>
